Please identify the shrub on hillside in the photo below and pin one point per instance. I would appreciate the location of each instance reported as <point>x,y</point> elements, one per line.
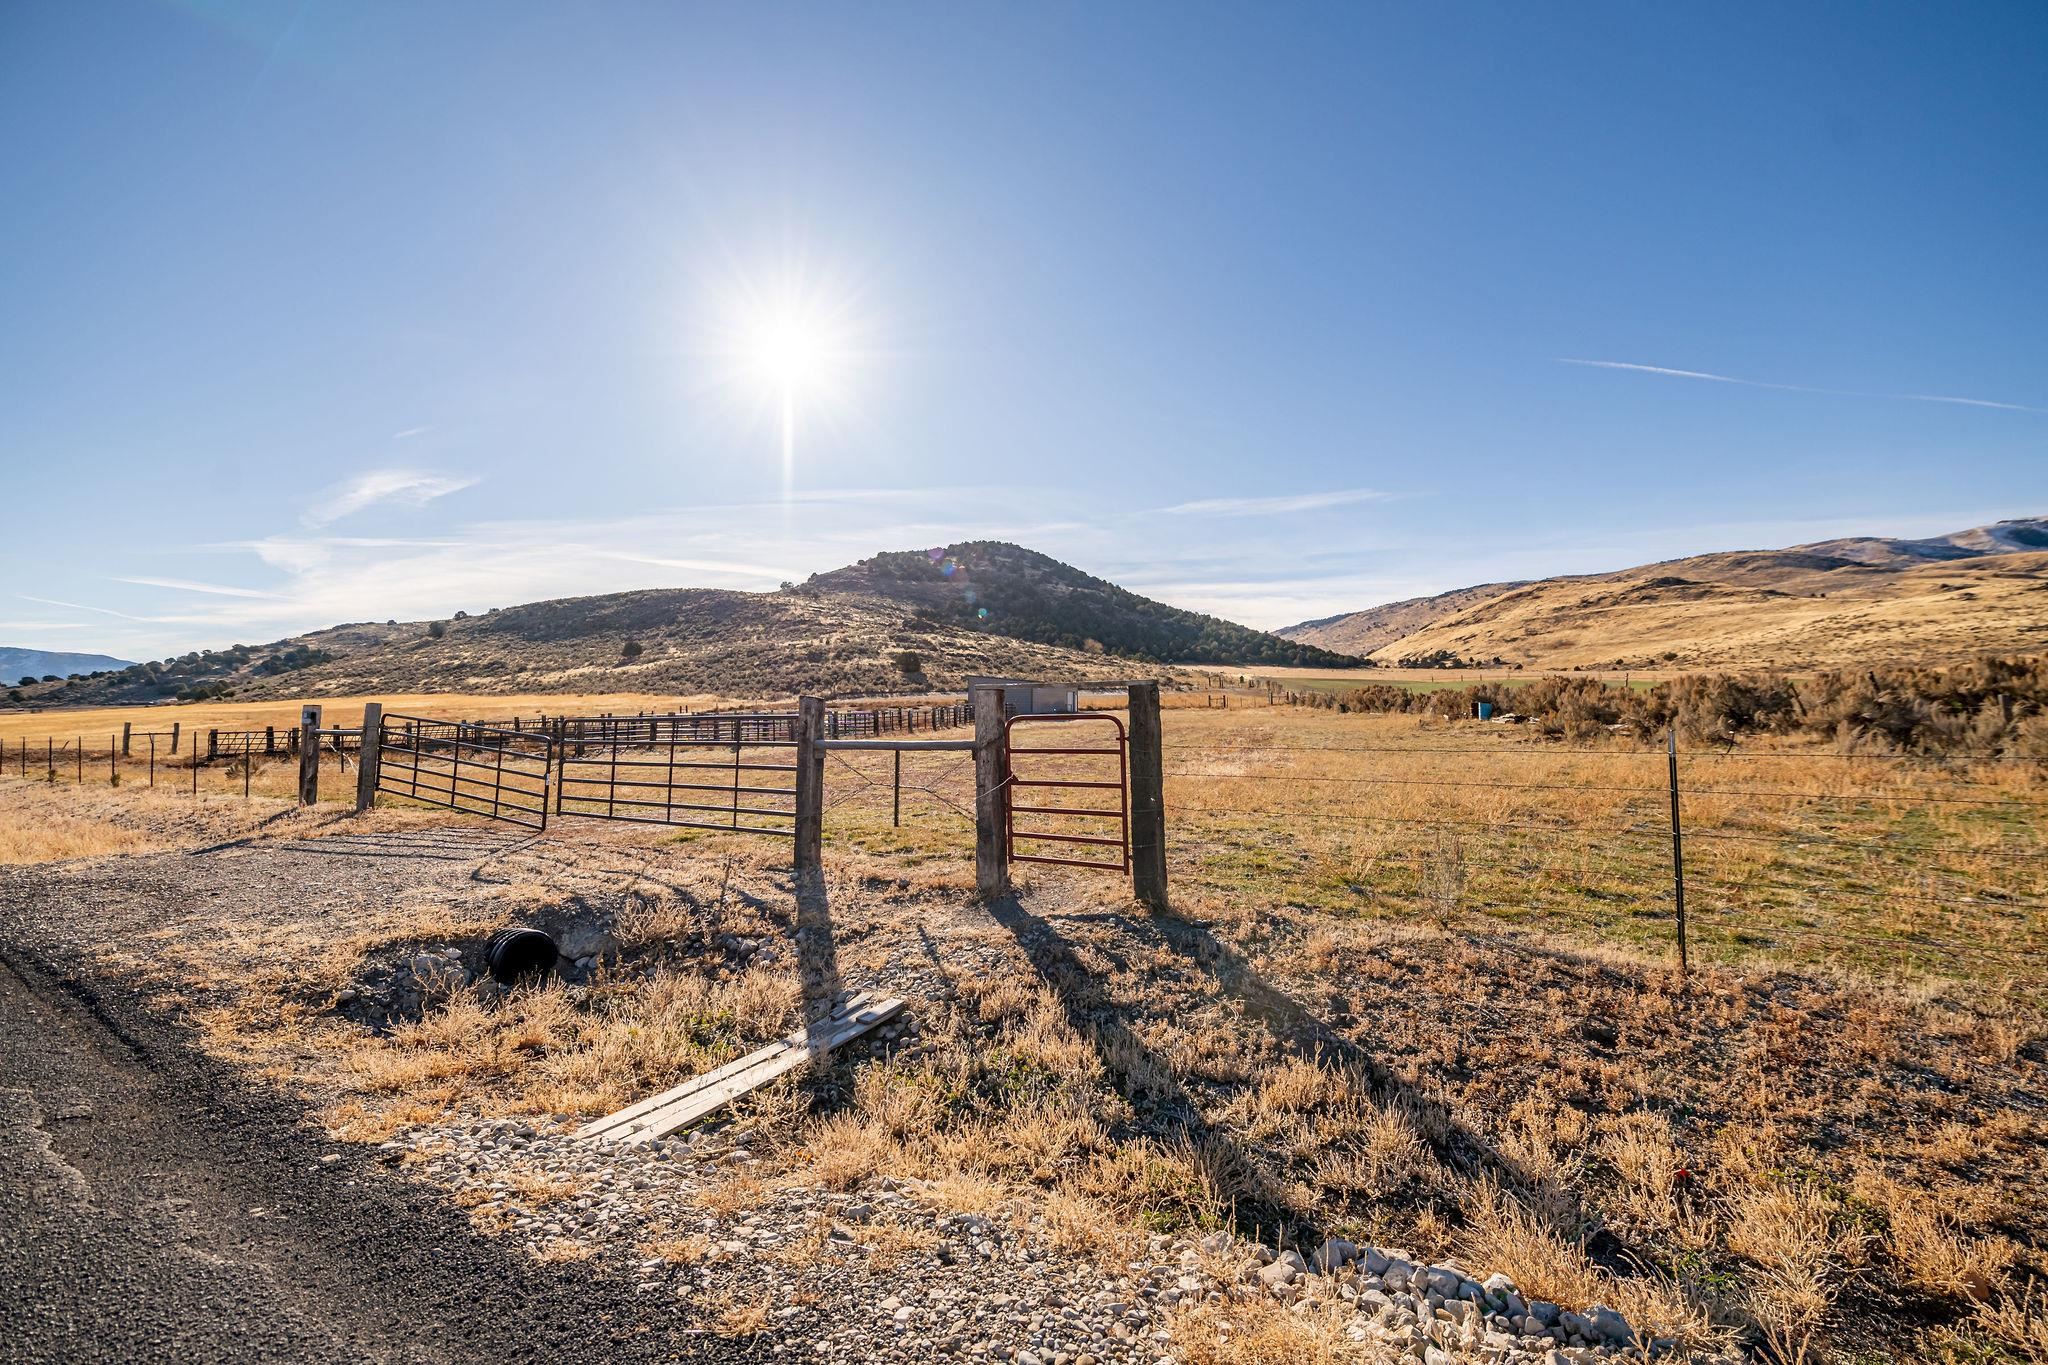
<point>1985,706</point>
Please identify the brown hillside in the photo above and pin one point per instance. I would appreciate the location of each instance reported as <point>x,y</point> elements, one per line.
<point>1362,632</point>
<point>692,641</point>
<point>1836,602</point>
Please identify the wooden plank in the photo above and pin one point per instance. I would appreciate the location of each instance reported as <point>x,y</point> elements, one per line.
<point>633,1111</point>
<point>694,1099</point>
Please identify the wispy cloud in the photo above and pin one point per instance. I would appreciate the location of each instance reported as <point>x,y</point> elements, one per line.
<point>727,567</point>
<point>407,487</point>
<point>187,585</point>
<point>1283,505</point>
<point>43,625</point>
<point>81,606</point>
<point>1671,373</point>
<point>410,432</point>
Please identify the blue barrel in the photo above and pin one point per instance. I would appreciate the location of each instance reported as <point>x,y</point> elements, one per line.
<point>1486,710</point>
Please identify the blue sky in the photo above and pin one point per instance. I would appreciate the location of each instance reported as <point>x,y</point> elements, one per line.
<point>351,311</point>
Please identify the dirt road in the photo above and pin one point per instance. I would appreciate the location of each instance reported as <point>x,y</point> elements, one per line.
<point>151,1208</point>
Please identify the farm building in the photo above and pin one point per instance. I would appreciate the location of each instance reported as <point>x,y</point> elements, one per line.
<point>1024,698</point>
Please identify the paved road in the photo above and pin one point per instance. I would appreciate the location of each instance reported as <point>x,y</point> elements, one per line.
<point>152,1207</point>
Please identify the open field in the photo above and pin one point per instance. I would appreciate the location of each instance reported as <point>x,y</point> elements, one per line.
<point>1418,990</point>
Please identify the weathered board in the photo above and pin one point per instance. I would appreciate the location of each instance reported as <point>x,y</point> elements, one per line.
<point>660,1115</point>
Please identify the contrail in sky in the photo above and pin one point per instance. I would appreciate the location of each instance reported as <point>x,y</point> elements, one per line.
<point>1796,388</point>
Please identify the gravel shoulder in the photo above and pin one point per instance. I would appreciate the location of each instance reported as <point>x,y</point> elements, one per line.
<point>157,1207</point>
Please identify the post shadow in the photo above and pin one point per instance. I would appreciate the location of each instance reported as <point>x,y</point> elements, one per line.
<point>1298,1031</point>
<point>1178,1113</point>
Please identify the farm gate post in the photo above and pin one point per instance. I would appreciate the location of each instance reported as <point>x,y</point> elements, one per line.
<point>1677,853</point>
<point>1148,798</point>
<point>810,783</point>
<point>991,793</point>
<point>369,756</point>
<point>174,737</point>
<point>127,729</point>
<point>309,755</point>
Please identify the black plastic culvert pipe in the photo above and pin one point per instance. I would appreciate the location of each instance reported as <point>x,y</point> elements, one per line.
<point>513,955</point>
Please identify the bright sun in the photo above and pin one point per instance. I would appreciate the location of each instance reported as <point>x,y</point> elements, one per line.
<point>792,343</point>
<point>791,352</point>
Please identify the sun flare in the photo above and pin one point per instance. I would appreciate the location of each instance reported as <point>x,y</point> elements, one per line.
<point>788,348</point>
<point>791,351</point>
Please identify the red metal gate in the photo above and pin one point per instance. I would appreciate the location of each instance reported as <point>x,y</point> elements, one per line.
<point>1082,825</point>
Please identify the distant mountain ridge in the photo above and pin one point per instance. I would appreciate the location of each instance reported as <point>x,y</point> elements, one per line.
<point>1848,600</point>
<point>38,663</point>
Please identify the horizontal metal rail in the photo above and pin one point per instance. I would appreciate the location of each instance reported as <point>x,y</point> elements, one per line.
<point>651,770</point>
<point>901,746</point>
<point>462,766</point>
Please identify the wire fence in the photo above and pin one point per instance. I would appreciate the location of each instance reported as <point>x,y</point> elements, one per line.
<point>1876,860</point>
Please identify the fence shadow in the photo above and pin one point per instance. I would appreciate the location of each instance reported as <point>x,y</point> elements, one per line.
<point>817,956</point>
<point>1296,1030</point>
<point>1178,1114</point>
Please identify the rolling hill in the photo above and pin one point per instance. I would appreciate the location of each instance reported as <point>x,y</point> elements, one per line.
<point>995,587</point>
<point>878,627</point>
<point>1847,601</point>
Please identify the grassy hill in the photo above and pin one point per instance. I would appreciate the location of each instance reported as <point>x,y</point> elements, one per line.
<point>996,588</point>
<point>1862,600</point>
<point>691,640</point>
<point>895,623</point>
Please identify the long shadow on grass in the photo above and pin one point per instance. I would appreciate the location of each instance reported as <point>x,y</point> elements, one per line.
<point>817,959</point>
<point>1296,1031</point>
<point>1170,1110</point>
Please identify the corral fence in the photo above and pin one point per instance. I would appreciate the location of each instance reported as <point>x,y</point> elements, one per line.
<point>732,771</point>
<point>763,773</point>
<point>461,765</point>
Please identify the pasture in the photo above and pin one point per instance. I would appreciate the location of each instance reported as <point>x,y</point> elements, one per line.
<point>1419,988</point>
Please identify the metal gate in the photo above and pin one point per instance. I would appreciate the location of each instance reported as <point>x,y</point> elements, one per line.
<point>1086,826</point>
<point>476,769</point>
<point>731,772</point>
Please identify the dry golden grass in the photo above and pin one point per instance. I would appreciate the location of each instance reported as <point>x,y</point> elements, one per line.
<point>96,723</point>
<point>737,1314</point>
<point>32,836</point>
<point>1266,1332</point>
<point>1793,619</point>
<point>1296,1052</point>
<point>689,1250</point>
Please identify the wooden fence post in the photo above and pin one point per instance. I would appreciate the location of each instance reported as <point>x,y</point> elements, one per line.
<point>1148,798</point>
<point>212,745</point>
<point>309,755</point>
<point>174,737</point>
<point>810,783</point>
<point>127,728</point>
<point>1677,854</point>
<point>991,794</point>
<point>369,755</point>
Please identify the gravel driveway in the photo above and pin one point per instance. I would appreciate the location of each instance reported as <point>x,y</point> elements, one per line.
<point>154,1206</point>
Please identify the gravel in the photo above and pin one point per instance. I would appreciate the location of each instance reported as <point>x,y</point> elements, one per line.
<point>610,1252</point>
